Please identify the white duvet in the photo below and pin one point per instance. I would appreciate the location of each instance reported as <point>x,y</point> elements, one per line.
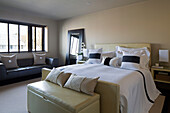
<point>132,93</point>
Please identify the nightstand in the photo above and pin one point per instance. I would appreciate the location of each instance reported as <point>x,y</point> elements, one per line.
<point>81,62</point>
<point>161,74</point>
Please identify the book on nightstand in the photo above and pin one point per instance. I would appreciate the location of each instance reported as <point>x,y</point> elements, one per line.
<point>160,67</point>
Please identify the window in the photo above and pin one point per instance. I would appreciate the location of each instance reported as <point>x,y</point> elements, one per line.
<point>3,37</point>
<point>13,37</point>
<point>22,37</point>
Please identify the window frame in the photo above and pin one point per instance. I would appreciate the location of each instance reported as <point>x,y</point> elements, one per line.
<point>30,25</point>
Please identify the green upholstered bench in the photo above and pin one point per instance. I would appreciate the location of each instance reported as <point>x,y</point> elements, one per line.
<point>46,97</point>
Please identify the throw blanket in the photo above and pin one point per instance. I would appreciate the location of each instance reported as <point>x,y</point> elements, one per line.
<point>133,98</point>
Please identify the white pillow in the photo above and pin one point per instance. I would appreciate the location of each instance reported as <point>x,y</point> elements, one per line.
<point>111,61</point>
<point>121,49</point>
<point>145,55</point>
<point>144,62</point>
<point>53,75</point>
<point>94,56</point>
<point>119,55</point>
<point>110,54</point>
<point>131,60</point>
<point>106,60</point>
<point>114,62</point>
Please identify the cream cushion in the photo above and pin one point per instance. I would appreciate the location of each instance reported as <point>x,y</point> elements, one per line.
<point>81,83</point>
<point>9,61</point>
<point>88,85</point>
<point>62,78</point>
<point>74,82</point>
<point>52,76</point>
<point>58,77</point>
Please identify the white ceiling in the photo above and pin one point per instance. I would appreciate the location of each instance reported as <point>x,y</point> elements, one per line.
<point>62,9</point>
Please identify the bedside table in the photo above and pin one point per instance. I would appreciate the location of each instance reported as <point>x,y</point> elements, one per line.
<point>81,62</point>
<point>161,74</point>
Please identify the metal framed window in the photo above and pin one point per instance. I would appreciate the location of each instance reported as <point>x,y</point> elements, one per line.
<point>16,37</point>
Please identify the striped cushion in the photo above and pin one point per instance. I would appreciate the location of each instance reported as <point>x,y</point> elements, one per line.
<point>131,60</point>
<point>111,61</point>
<point>94,56</point>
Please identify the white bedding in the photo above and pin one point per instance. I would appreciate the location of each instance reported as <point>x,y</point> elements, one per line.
<point>132,94</point>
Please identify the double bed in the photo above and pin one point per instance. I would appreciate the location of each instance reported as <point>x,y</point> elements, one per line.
<point>121,90</point>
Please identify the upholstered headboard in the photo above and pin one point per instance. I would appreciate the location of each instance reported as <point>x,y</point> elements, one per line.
<point>112,47</point>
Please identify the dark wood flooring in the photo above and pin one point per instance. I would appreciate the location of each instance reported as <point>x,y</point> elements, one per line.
<point>165,90</point>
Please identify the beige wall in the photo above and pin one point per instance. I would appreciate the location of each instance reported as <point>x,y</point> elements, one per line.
<point>19,15</point>
<point>144,22</point>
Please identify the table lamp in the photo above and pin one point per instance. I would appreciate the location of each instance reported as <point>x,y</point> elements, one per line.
<point>85,52</point>
<point>163,55</point>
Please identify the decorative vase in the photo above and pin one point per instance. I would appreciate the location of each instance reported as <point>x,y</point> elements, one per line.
<point>79,57</point>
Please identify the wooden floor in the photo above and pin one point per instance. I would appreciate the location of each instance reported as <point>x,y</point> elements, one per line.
<point>165,90</point>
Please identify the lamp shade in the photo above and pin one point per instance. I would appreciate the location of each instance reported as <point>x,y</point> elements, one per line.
<point>164,55</point>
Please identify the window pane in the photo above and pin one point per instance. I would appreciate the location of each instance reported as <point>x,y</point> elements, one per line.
<point>33,38</point>
<point>13,37</point>
<point>23,38</point>
<point>46,39</point>
<point>3,37</point>
<point>38,39</point>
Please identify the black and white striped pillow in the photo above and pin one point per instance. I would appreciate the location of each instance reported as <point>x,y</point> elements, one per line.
<point>106,61</point>
<point>111,61</point>
<point>131,60</point>
<point>94,56</point>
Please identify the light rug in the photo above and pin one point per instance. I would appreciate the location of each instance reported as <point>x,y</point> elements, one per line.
<point>13,97</point>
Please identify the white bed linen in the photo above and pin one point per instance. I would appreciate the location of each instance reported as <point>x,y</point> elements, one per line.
<point>132,94</point>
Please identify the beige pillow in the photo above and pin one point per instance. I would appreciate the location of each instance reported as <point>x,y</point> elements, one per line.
<point>62,78</point>
<point>83,84</point>
<point>39,59</point>
<point>53,75</point>
<point>57,77</point>
<point>74,82</point>
<point>88,85</point>
<point>9,61</point>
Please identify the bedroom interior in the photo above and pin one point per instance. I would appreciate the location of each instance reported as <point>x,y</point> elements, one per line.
<point>87,56</point>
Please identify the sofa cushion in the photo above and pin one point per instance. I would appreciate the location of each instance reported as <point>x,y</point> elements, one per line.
<point>9,61</point>
<point>39,58</point>
<point>24,71</point>
<point>25,62</point>
<point>68,99</point>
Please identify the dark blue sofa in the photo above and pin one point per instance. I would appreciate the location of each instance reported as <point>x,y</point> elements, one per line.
<point>26,68</point>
